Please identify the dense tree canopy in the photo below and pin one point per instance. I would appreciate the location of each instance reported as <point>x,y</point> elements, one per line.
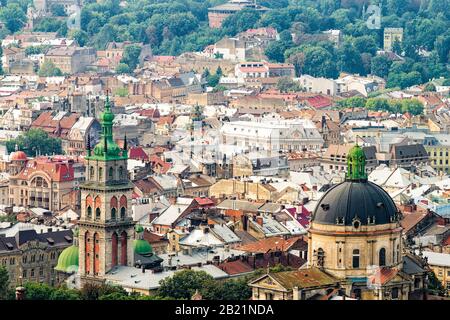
<point>175,26</point>
<point>48,69</point>
<point>35,141</point>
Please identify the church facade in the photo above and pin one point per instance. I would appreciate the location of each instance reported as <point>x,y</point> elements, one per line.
<point>354,237</point>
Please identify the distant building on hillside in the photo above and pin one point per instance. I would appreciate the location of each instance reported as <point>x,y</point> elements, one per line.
<point>216,15</point>
<point>390,36</point>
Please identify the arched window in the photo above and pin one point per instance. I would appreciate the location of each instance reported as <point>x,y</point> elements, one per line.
<point>122,213</point>
<point>382,257</point>
<point>87,253</point>
<point>96,254</point>
<point>100,173</point>
<point>114,251</point>
<point>97,213</point>
<point>111,173</point>
<point>89,212</point>
<point>355,262</point>
<point>120,172</point>
<point>113,213</point>
<point>91,173</point>
<point>320,257</point>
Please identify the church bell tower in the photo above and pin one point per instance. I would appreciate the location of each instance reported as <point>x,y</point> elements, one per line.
<point>106,225</point>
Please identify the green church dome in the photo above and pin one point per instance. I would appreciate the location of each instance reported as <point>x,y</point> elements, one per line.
<point>141,246</point>
<point>68,260</point>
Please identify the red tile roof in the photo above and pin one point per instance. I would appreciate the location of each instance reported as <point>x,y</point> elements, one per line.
<point>160,164</point>
<point>56,169</point>
<point>235,267</point>
<point>58,128</point>
<point>319,102</point>
<point>269,244</point>
<point>137,153</point>
<point>383,275</point>
<point>204,201</point>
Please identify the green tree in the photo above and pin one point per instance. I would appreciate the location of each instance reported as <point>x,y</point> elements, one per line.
<point>413,106</point>
<point>35,141</point>
<point>80,36</point>
<point>123,68</point>
<point>100,292</point>
<point>13,16</point>
<point>275,51</point>
<point>58,10</point>
<point>278,19</point>
<point>121,92</point>
<point>318,62</point>
<point>349,59</point>
<point>241,21</point>
<point>35,50</point>
<point>37,291</point>
<point>4,283</point>
<point>442,46</point>
<point>429,87</point>
<point>366,43</point>
<point>227,290</point>
<point>286,84</point>
<point>380,66</point>
<point>131,56</point>
<point>397,46</point>
<point>378,104</point>
<point>353,102</point>
<point>48,69</point>
<point>435,285</point>
<point>183,284</point>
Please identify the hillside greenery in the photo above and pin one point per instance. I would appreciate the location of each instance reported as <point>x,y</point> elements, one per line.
<point>175,26</point>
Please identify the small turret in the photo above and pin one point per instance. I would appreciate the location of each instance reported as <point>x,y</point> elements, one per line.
<point>356,164</point>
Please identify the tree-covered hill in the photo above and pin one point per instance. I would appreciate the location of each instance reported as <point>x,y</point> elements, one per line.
<point>172,27</point>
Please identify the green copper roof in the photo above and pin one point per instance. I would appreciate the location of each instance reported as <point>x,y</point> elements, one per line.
<point>107,148</point>
<point>68,260</point>
<point>142,246</point>
<point>356,164</point>
<point>138,228</point>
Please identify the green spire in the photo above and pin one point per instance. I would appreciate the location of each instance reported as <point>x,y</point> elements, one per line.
<point>356,164</point>
<point>107,149</point>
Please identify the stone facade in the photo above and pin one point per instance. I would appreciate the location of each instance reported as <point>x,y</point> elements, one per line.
<point>35,258</point>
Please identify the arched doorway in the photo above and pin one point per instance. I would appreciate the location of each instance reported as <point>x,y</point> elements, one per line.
<point>123,248</point>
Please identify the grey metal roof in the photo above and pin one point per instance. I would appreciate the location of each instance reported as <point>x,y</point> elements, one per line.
<point>355,199</point>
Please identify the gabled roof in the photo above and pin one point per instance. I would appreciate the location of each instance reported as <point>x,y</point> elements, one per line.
<point>137,153</point>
